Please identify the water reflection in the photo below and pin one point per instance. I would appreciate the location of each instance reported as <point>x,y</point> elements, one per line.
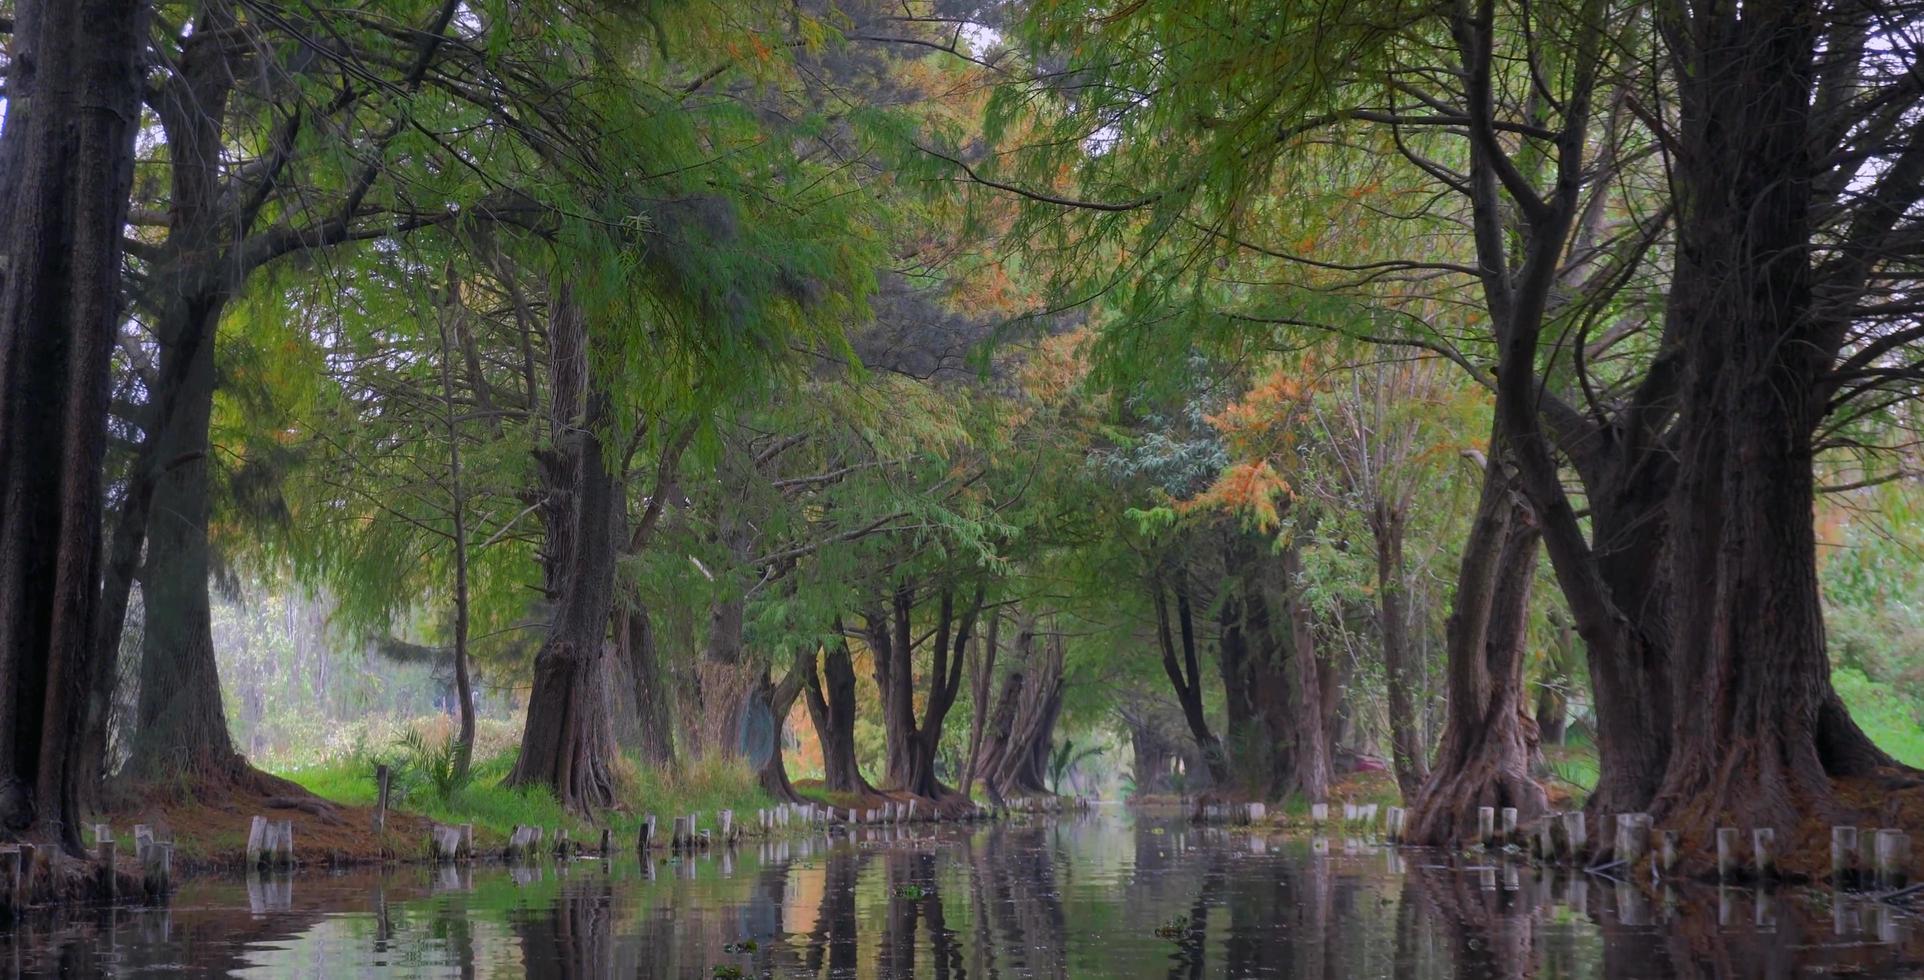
<point>1108,896</point>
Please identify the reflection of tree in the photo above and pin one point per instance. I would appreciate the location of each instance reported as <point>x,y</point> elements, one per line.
<point>1490,935</point>
<point>1023,918</point>
<point>914,901</point>
<point>575,936</point>
<point>834,936</point>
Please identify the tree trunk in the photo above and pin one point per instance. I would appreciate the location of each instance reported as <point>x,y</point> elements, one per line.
<point>1186,677</point>
<point>1484,758</point>
<point>66,167</point>
<point>1021,765</point>
<point>1409,757</point>
<point>1312,699</point>
<point>635,633</point>
<point>458,508</point>
<point>779,700</point>
<point>980,688</point>
<point>1768,734</point>
<point>832,709</point>
<point>567,742</point>
<point>890,645</point>
<point>181,724</point>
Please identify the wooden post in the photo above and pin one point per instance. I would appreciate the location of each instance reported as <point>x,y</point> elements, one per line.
<point>1727,861</point>
<point>1763,852</point>
<point>1557,847</point>
<point>1893,853</point>
<point>1667,852</point>
<point>381,777</point>
<point>1633,837</point>
<point>684,834</point>
<point>467,841</point>
<point>257,842</point>
<point>728,826</point>
<point>1576,836</point>
<point>911,810</point>
<point>1318,815</point>
<point>607,842</point>
<point>156,868</point>
<point>108,853</point>
<point>1508,814</point>
<point>1543,843</point>
<point>561,846</point>
<point>1843,857</point>
<point>284,845</point>
<point>1486,825</point>
<point>10,889</point>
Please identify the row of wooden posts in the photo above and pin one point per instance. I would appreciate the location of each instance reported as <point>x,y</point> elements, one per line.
<point>155,858</point>
<point>1564,838</point>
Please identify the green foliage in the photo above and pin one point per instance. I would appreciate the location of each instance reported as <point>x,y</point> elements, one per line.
<point>1064,759</point>
<point>1891,719</point>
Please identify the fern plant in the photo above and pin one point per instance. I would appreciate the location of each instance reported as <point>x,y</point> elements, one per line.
<point>435,768</point>
<point>1065,758</point>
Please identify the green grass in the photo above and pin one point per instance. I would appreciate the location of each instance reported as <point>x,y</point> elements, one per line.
<point>1884,713</point>
<point>1574,764</point>
<point>703,787</point>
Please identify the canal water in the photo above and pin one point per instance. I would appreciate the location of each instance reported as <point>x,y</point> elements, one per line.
<point>1108,894</point>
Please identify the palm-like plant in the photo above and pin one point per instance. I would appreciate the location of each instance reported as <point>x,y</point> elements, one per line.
<point>1065,758</point>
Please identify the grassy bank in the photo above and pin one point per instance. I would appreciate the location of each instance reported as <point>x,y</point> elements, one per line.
<point>422,783</point>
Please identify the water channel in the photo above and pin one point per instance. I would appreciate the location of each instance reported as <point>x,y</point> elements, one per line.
<point>1109,894</point>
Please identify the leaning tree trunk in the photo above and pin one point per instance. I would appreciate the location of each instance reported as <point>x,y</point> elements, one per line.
<point>1022,764</point>
<point>779,700</point>
<point>1484,758</point>
<point>1185,674</point>
<point>832,709</point>
<point>567,741</point>
<point>66,167</point>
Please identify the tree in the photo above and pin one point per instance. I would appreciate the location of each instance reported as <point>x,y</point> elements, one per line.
<point>66,164</point>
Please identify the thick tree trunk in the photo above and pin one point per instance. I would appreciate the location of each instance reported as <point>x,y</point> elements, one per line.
<point>1769,734</point>
<point>1312,699</point>
<point>180,724</point>
<point>1152,754</point>
<point>891,646</point>
<point>832,709</point>
<point>1409,757</point>
<point>1021,762</point>
<point>66,166</point>
<point>1484,758</point>
<point>567,742</point>
<point>778,700</point>
<point>913,745</point>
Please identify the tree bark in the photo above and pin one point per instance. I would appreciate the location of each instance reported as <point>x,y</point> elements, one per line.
<point>1409,757</point>
<point>1484,758</point>
<point>567,742</point>
<point>66,168</point>
<point>980,689</point>
<point>779,699</point>
<point>1748,643</point>
<point>635,634</point>
<point>1185,675</point>
<point>832,709</point>
<point>181,724</point>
